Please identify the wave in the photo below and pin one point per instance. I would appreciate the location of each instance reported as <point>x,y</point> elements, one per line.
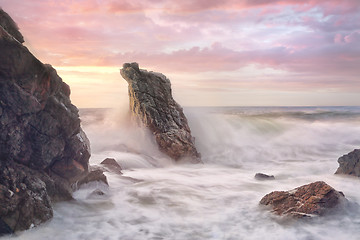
<point>218,199</point>
<point>232,136</point>
<point>351,113</point>
<point>245,137</point>
<point>113,134</point>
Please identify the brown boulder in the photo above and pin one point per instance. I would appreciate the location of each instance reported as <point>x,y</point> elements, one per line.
<point>152,103</point>
<point>315,199</point>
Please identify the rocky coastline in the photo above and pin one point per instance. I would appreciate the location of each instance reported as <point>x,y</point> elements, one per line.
<point>44,153</point>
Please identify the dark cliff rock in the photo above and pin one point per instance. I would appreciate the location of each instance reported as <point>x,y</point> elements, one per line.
<point>23,196</point>
<point>315,199</point>
<point>40,128</point>
<point>43,150</point>
<point>151,101</point>
<point>350,164</point>
<point>10,26</point>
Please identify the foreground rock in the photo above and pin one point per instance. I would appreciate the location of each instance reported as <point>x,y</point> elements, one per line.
<point>350,164</point>
<point>151,101</point>
<point>43,150</point>
<point>315,199</point>
<point>24,199</point>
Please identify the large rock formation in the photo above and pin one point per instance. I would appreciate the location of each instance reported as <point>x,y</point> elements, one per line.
<point>43,150</point>
<point>350,164</point>
<point>151,101</point>
<point>315,199</point>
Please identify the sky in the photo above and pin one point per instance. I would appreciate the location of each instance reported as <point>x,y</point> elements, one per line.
<point>215,53</point>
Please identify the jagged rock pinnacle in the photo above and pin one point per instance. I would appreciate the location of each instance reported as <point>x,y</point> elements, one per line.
<point>151,101</point>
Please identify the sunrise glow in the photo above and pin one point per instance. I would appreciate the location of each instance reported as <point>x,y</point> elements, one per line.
<point>229,52</point>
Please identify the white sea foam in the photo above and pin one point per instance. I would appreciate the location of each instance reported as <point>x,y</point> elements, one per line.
<point>219,199</point>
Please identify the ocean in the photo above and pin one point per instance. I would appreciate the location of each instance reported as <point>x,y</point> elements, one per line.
<point>158,199</point>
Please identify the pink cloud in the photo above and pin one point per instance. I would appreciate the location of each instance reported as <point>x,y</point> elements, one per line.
<point>328,6</point>
<point>89,6</point>
<point>124,6</point>
<point>342,61</point>
<point>338,38</point>
<point>178,36</point>
<point>82,6</point>
<point>353,37</point>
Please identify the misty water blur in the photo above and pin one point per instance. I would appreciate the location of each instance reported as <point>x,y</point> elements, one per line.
<point>220,198</point>
<point>113,133</point>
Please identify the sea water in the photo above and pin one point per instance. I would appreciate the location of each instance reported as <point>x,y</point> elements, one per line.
<point>219,199</point>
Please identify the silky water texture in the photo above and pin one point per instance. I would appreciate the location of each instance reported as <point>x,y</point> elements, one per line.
<point>156,198</point>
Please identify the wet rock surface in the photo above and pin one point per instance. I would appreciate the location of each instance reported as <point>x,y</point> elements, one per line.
<point>350,164</point>
<point>43,150</point>
<point>23,196</point>
<point>315,199</point>
<point>151,101</point>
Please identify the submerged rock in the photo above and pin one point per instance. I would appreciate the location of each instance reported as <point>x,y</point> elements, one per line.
<point>43,150</point>
<point>96,193</point>
<point>350,164</point>
<point>151,101</point>
<point>315,199</point>
<point>112,165</point>
<point>262,176</point>
<point>95,175</point>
